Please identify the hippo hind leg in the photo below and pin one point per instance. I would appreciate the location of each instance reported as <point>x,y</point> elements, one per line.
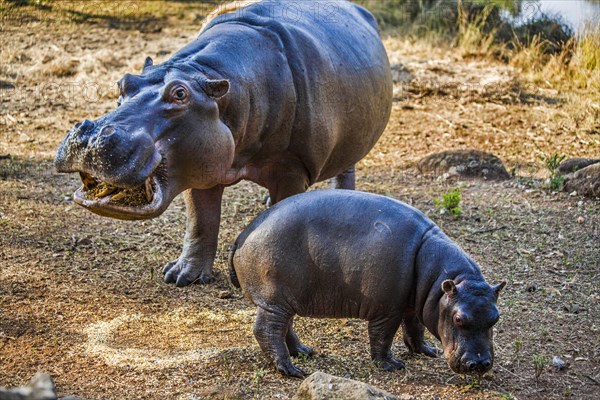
<point>345,180</point>
<point>381,336</point>
<point>270,330</point>
<point>285,181</point>
<point>414,337</point>
<point>295,346</point>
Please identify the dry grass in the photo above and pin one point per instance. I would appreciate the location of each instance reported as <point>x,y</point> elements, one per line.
<point>573,72</point>
<point>473,39</point>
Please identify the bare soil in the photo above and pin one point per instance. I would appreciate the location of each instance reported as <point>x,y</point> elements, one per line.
<point>82,297</point>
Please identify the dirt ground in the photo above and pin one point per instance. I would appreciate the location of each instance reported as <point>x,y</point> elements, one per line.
<point>82,297</point>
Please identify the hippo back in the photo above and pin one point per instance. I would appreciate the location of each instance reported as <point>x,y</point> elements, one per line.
<point>321,65</point>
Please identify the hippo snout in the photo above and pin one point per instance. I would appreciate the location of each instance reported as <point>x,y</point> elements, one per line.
<point>69,155</point>
<point>475,364</point>
<point>108,152</point>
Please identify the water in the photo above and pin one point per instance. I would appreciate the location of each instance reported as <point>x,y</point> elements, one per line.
<point>575,13</point>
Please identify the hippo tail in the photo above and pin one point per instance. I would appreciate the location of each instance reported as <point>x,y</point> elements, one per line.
<point>232,275</point>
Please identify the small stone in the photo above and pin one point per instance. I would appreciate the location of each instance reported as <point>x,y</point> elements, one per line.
<point>580,220</point>
<point>224,294</point>
<point>41,387</point>
<point>531,288</point>
<point>401,74</point>
<point>324,386</point>
<point>573,308</point>
<point>84,242</point>
<point>558,363</point>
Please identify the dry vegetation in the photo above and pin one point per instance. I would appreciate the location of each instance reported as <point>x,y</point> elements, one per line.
<point>81,296</point>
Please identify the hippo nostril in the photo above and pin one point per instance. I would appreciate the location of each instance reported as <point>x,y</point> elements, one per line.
<point>472,365</point>
<point>87,124</point>
<point>107,130</point>
<point>486,364</point>
<point>83,127</point>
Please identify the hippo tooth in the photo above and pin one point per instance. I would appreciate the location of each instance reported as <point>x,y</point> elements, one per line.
<point>118,196</point>
<point>149,191</point>
<point>107,191</point>
<point>88,180</point>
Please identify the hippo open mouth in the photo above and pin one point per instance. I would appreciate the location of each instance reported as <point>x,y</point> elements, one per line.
<point>130,203</point>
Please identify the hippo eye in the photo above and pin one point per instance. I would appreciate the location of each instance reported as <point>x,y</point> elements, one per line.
<point>458,321</point>
<point>179,94</point>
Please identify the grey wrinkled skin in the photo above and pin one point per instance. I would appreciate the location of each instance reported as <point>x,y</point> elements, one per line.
<point>346,254</point>
<point>284,94</point>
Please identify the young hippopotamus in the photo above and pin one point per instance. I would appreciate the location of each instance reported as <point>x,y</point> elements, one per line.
<point>346,254</point>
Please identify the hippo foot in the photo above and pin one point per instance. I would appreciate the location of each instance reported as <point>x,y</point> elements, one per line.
<point>423,348</point>
<point>301,351</point>
<point>289,369</point>
<point>389,364</point>
<point>184,273</point>
<point>429,351</point>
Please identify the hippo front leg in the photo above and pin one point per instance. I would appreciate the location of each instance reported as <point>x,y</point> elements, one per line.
<point>381,336</point>
<point>294,345</point>
<point>414,337</point>
<point>201,236</point>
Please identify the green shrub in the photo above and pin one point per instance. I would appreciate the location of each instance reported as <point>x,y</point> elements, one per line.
<point>552,162</point>
<point>450,202</point>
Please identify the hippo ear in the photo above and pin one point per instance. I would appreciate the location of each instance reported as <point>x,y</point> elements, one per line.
<point>148,63</point>
<point>497,288</point>
<point>449,287</point>
<point>217,88</point>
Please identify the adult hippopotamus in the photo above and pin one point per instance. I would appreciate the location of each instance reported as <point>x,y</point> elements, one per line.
<point>284,94</point>
<point>346,254</point>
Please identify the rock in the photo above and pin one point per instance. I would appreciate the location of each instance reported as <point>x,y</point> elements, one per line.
<point>575,164</point>
<point>41,387</point>
<point>321,386</point>
<point>464,163</point>
<point>586,181</point>
<point>401,74</point>
<point>558,363</point>
<point>531,288</point>
<point>84,242</point>
<point>573,308</point>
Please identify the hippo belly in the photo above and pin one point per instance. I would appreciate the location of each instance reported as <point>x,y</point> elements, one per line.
<point>352,254</point>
